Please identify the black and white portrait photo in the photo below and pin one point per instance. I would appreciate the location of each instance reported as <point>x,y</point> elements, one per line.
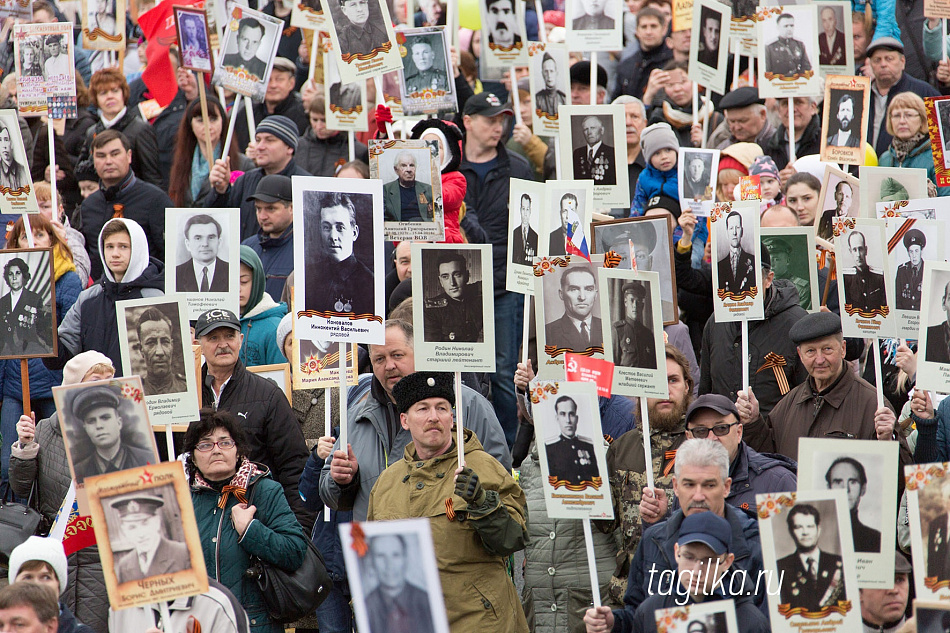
<point>149,541</point>
<point>425,67</point>
<point>697,176</point>
<point>205,269</point>
<point>572,308</point>
<point>593,25</point>
<point>851,475</point>
<point>199,253</point>
<point>909,265</point>
<point>631,315</point>
<point>844,128</point>
<point>938,539</point>
<point>788,52</point>
<point>594,157</point>
<point>831,39</point>
<point>243,55</point>
<point>567,205</point>
<point>193,39</point>
<point>526,200</point>
<point>943,121</point>
<point>736,256</point>
<point>524,237</point>
<point>248,48</point>
<point>32,57</point>
<point>840,201</point>
<point>407,178</point>
<point>938,319</point>
<point>809,556</point>
<point>452,293</point>
<point>504,25</point>
<point>57,63</point>
<point>360,27</point>
<point>106,426</point>
<point>44,65</point>
<point>27,317</point>
<point>863,269</point>
<point>551,94</point>
<point>710,29</point>
<point>570,456</point>
<point>593,15</point>
<point>786,55</point>
<point>15,176</point>
<point>101,29</point>
<point>931,617</point>
<point>928,510</point>
<point>156,351</point>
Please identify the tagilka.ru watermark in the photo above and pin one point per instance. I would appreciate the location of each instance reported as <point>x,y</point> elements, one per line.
<point>734,583</point>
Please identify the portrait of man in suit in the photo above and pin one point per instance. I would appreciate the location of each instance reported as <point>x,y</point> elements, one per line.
<point>205,271</point>
<point>557,242</point>
<point>848,474</point>
<point>813,578</point>
<point>24,315</point>
<point>165,367</point>
<point>577,329</point>
<point>524,240</point>
<point>396,605</point>
<point>711,26</point>
<point>938,541</point>
<point>250,34</point>
<point>152,553</point>
<point>571,457</point>
<point>847,111</point>
<point>406,199</point>
<point>96,411</point>
<point>864,288</point>
<point>786,55</point>
<point>844,199</point>
<point>594,18</point>
<point>737,268</point>
<point>938,336</point>
<point>502,25</point>
<point>358,34</point>
<point>831,49</point>
<point>696,181</point>
<point>595,159</point>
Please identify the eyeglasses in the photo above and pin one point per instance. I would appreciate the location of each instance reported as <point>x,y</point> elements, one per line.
<point>720,430</point>
<point>907,116</point>
<point>224,445</point>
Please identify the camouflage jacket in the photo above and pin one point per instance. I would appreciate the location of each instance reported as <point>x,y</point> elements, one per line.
<point>627,471</point>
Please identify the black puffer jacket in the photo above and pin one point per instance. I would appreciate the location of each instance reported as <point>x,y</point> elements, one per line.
<point>141,137</point>
<point>274,437</point>
<point>44,461</point>
<point>721,358</point>
<point>322,156</point>
<point>809,143</point>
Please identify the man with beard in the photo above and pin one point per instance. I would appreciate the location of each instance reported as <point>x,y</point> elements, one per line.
<point>846,136</point>
<point>844,196</point>
<point>502,21</point>
<point>910,274</point>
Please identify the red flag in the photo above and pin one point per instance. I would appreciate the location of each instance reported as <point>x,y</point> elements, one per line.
<point>158,26</point>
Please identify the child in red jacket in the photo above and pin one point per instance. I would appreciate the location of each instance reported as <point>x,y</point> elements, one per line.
<point>453,182</point>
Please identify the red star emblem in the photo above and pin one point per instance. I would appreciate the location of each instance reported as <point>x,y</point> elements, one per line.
<point>146,477</point>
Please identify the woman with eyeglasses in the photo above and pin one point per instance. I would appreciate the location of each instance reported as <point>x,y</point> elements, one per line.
<point>241,512</point>
<point>907,123</point>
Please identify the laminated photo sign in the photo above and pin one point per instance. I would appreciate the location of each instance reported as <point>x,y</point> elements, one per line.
<point>363,38</point>
<point>525,205</point>
<point>409,167</point>
<point>928,508</point>
<point>44,66</point>
<point>788,51</point>
<point>550,86</point>
<point>912,245</point>
<point>593,25</point>
<point>866,300</point>
<point>247,51</point>
<point>844,125</point>
<point>933,339</point>
<point>737,273</point>
<point>345,103</point>
<point>792,251</point>
<point>709,52</point>
<point>427,85</point>
<point>594,147</point>
<point>504,40</point>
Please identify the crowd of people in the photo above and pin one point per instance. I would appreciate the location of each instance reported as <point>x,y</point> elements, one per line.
<point>504,563</point>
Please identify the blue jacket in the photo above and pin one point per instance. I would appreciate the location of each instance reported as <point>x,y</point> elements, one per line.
<point>921,157</point>
<point>42,380</point>
<point>653,182</point>
<point>259,327</point>
<point>748,617</point>
<point>655,552</point>
<point>326,534</point>
<point>277,256</point>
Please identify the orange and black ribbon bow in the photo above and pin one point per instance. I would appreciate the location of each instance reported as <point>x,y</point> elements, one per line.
<point>239,492</point>
<point>670,457</point>
<point>777,364</point>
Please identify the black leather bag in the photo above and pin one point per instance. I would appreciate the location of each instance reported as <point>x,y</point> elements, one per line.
<point>290,596</point>
<point>18,522</point>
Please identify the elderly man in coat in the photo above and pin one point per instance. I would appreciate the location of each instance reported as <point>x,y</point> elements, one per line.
<point>477,512</point>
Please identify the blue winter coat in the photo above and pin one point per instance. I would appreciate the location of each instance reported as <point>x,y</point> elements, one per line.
<point>259,327</point>
<point>42,380</point>
<point>277,256</point>
<point>274,536</point>
<point>653,182</point>
<point>920,157</point>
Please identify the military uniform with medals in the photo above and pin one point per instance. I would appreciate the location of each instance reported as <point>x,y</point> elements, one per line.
<point>786,57</point>
<point>910,278</point>
<point>572,460</point>
<point>432,79</point>
<point>865,289</point>
<point>633,345</point>
<point>824,586</point>
<point>450,320</point>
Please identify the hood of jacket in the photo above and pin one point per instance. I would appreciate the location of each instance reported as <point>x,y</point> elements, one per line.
<point>784,296</point>
<point>452,139</point>
<point>139,258</point>
<point>250,259</point>
<point>264,309</point>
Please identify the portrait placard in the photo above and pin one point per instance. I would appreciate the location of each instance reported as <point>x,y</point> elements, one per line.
<point>339,298</point>
<point>709,54</point>
<point>933,338</point>
<point>308,14</point>
<point>345,105</point>
<point>716,616</point>
<point>574,457</point>
<point>889,184</point>
<point>105,427</point>
<point>835,39</point>
<point>16,183</point>
<point>525,204</point>
<point>696,174</point>
<point>44,65</point>
<point>145,514</point>
<point>391,93</point>
<point>788,51</point>
<point>634,340</point>
<point>319,364</point>
<point>938,126</point>
<point>593,25</point>
<point>866,300</point>
<point>651,239</point>
<point>404,167</point>
<point>279,374</point>
<point>17,9</point>
<point>867,471</point>
<point>792,251</point>
<point>937,9</point>
<point>550,84</point>
<point>203,247</point>
<point>504,40</point>
<point>363,38</point>
<point>844,124</point>
<point>457,308</point>
<point>103,24</point>
<point>682,15</point>
<point>737,275</point>
<point>839,199</point>
<point>567,311</point>
<point>567,210</point>
<point>403,552</point>
<point>155,344</point>
<point>248,49</point>
<point>742,28</point>
<point>191,25</point>
<point>928,508</point>
<point>427,85</point>
<point>28,304</point>
<point>594,147</point>
<point>920,209</point>
<point>912,245</point>
<point>813,526</point>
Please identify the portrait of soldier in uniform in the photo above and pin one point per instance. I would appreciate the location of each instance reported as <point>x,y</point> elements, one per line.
<point>165,367</point>
<point>848,111</point>
<point>594,159</point>
<point>194,41</point>
<point>347,97</point>
<point>844,199</point>
<point>634,345</point>
<point>831,49</point>
<point>786,55</point>
<point>426,76</point>
<point>358,34</point>
<point>813,578</point>
<point>57,56</point>
<point>780,252</point>
<point>24,315</point>
<point>571,458</point>
<point>455,314</point>
<point>577,329</point>
<point>737,268</point>
<point>502,24</point>
<point>95,410</point>
<point>910,275</point>
<point>938,336</point>
<point>848,474</point>
<point>396,605</point>
<point>524,240</point>
<point>152,554</point>
<point>250,33</point>
<point>863,289</point>
<point>549,98</point>
<point>594,18</point>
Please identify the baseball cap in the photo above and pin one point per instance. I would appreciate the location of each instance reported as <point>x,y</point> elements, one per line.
<point>708,528</point>
<point>487,104</point>
<point>272,188</point>
<point>215,318</point>
<point>718,403</point>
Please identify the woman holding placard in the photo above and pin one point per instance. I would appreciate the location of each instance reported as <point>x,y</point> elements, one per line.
<point>906,121</point>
